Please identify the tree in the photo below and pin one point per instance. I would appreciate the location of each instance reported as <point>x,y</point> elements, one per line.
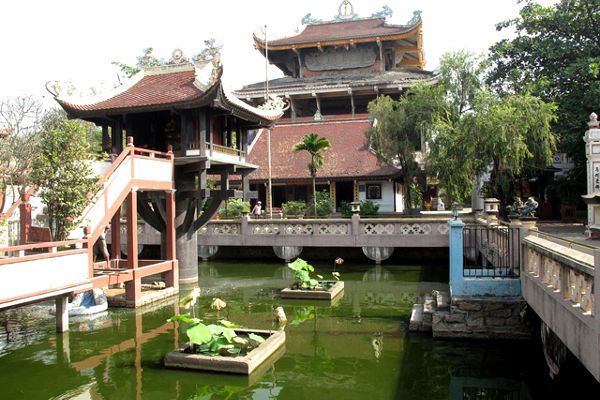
<point>62,172</point>
<point>554,55</point>
<point>316,147</point>
<point>471,130</point>
<point>19,120</point>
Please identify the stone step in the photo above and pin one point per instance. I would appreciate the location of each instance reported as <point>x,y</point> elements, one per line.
<point>443,301</point>
<point>416,318</point>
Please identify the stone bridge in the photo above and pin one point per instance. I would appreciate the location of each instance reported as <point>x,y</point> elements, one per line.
<point>559,282</point>
<point>377,236</point>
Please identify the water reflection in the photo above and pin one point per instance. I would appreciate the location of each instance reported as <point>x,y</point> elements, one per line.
<point>353,348</point>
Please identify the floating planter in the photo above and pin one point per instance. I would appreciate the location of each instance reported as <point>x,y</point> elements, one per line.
<point>224,346</point>
<point>307,287</point>
<point>188,357</point>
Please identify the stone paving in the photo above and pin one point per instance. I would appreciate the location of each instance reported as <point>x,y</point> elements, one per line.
<point>574,232</point>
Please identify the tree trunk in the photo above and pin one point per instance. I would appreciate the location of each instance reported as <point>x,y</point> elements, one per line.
<point>314,192</point>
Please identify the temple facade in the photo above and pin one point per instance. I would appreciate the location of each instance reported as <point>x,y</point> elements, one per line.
<point>181,107</point>
<point>332,71</point>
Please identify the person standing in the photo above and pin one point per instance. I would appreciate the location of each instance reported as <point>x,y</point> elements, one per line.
<point>257,210</point>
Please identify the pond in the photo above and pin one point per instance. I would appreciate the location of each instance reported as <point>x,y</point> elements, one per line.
<point>356,348</point>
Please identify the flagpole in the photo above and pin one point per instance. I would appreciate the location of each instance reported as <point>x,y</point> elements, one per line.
<point>269,187</point>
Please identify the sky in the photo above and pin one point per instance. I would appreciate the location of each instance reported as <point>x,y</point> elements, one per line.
<point>76,41</point>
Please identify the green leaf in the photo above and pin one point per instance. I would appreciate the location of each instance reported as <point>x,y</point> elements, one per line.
<point>297,264</point>
<point>184,318</point>
<point>235,350</point>
<point>228,324</point>
<point>218,330</point>
<point>336,275</point>
<point>258,339</point>
<point>240,340</point>
<point>218,344</point>
<point>190,299</point>
<point>199,334</point>
<point>319,276</point>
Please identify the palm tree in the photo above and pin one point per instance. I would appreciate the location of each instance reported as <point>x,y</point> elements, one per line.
<point>315,146</point>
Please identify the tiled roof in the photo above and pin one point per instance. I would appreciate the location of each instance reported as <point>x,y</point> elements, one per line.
<point>161,88</point>
<point>369,27</point>
<point>348,157</point>
<point>150,90</point>
<point>406,75</point>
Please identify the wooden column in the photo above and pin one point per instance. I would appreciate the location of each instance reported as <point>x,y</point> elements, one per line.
<point>62,314</point>
<point>133,288</point>
<point>24,218</point>
<point>332,195</point>
<point>171,277</point>
<point>115,237</point>
<point>117,136</point>
<point>105,139</point>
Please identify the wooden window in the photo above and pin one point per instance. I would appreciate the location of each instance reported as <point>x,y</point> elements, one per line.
<point>374,191</point>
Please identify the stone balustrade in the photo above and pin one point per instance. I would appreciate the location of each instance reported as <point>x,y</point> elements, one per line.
<point>559,283</point>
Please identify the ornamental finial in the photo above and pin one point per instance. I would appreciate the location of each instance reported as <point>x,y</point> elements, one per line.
<point>593,124</point>
<point>346,10</point>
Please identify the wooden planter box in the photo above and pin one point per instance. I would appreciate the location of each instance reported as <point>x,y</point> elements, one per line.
<point>329,294</point>
<point>244,365</point>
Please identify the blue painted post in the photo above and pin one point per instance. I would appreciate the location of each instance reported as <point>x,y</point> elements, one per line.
<point>456,256</point>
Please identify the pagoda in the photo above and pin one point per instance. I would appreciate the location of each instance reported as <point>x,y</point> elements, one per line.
<point>181,107</point>
<point>333,69</point>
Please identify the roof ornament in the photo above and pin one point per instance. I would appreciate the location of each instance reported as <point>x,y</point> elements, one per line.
<point>308,19</point>
<point>384,13</point>
<point>345,11</point>
<point>274,103</point>
<point>416,18</point>
<point>177,57</point>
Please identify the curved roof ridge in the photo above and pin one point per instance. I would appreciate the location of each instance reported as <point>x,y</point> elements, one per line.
<point>100,97</point>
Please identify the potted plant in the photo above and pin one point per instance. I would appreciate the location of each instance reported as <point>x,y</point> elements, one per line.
<point>222,346</point>
<point>307,287</point>
<point>294,209</point>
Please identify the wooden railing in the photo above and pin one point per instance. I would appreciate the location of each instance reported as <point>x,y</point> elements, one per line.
<point>15,205</point>
<point>120,178</point>
<point>211,147</point>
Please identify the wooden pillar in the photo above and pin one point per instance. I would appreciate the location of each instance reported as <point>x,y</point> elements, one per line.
<point>105,139</point>
<point>24,219</point>
<point>62,314</point>
<point>352,102</point>
<point>293,112</point>
<point>117,136</point>
<point>332,195</point>
<point>133,288</point>
<point>356,191</point>
<point>171,277</point>
<point>115,237</point>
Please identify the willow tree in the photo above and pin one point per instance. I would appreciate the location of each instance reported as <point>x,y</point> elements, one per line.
<point>470,130</point>
<point>316,147</point>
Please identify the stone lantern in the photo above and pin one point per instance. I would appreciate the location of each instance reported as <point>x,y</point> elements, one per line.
<point>592,198</point>
<point>491,207</point>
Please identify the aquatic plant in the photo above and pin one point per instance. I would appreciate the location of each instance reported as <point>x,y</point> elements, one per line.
<point>302,271</point>
<point>213,339</point>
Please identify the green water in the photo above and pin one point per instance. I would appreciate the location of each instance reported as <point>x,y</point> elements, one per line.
<point>357,348</point>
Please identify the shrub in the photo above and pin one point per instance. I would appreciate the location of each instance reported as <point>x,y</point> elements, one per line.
<point>368,208</point>
<point>233,208</point>
<point>294,208</point>
<point>323,203</point>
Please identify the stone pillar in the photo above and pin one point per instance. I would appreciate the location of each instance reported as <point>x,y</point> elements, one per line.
<point>456,256</point>
<point>476,197</point>
<point>592,153</point>
<point>186,246</point>
<point>62,314</point>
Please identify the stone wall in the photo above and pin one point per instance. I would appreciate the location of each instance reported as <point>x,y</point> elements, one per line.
<point>482,318</point>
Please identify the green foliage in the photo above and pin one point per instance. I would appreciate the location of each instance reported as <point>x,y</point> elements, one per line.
<point>368,208</point>
<point>554,54</point>
<point>302,272</point>
<point>396,132</point>
<point>62,172</point>
<point>471,129</point>
<point>316,147</point>
<point>214,339</point>
<point>233,208</point>
<point>294,207</point>
<point>416,195</point>
<point>345,209</point>
<point>323,204</point>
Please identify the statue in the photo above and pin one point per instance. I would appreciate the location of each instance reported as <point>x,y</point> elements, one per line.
<point>514,209</point>
<point>529,209</point>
